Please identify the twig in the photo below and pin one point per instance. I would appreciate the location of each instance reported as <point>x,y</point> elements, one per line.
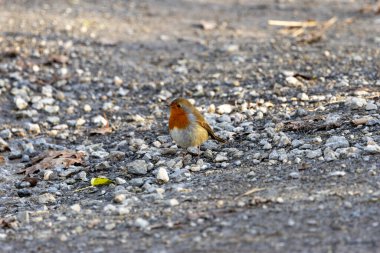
<point>309,23</point>
<point>253,190</point>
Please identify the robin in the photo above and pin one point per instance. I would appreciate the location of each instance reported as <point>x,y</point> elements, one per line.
<point>187,126</point>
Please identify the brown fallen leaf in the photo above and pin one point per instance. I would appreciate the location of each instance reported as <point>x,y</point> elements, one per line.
<point>52,159</point>
<point>2,159</point>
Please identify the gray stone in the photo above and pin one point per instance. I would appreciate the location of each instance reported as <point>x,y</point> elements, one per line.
<point>313,153</point>
<point>335,142</point>
<point>355,102</point>
<point>371,106</point>
<point>221,157</point>
<point>329,154</point>
<point>46,198</point>
<point>5,134</point>
<point>138,167</point>
<point>141,223</point>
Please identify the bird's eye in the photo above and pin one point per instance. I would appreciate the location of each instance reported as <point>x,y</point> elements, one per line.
<point>178,106</point>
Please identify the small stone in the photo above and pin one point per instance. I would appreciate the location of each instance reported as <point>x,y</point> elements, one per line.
<point>221,157</point>
<point>33,128</point>
<point>87,108</point>
<point>119,198</point>
<point>20,103</point>
<point>99,154</point>
<point>195,168</point>
<point>207,24</point>
<point>329,154</point>
<point>332,119</point>
<point>80,122</point>
<point>138,167</point>
<point>83,176</point>
<point>162,176</point>
<point>116,156</point>
<point>267,146</point>
<point>141,223</point>
<point>120,181</point>
<point>355,102</point>
<point>224,109</point>
<point>5,134</point>
<point>284,141</point>
<point>292,81</point>
<point>335,142</point>
<point>193,150</point>
<point>102,166</point>
<point>173,202</point>
<point>294,175</point>
<point>4,146</point>
<point>313,153</point>
<point>51,109</point>
<point>372,148</point>
<point>76,208</point>
<point>99,121</point>
<point>23,217</point>
<point>22,193</point>
<point>371,106</point>
<point>54,120</point>
<point>337,174</point>
<point>25,158</point>
<point>48,175</point>
<point>138,182</point>
<point>109,226</point>
<point>46,198</point>
<point>230,48</point>
<point>117,81</point>
<point>303,97</point>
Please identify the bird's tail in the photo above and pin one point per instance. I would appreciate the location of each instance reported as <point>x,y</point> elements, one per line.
<point>215,137</point>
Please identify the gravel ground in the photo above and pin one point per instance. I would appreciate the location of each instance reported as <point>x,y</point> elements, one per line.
<point>84,93</point>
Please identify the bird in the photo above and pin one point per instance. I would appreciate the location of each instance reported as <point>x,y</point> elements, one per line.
<point>187,126</point>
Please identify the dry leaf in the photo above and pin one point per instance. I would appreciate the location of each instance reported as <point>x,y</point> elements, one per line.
<point>52,159</point>
<point>97,181</point>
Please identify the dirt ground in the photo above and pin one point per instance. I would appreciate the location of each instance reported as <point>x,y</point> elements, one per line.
<point>298,105</point>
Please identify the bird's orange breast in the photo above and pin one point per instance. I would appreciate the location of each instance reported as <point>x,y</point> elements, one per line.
<point>178,118</point>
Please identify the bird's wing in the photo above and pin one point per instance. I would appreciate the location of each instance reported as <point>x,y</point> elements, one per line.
<point>206,126</point>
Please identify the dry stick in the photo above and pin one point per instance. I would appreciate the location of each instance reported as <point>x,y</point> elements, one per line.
<point>295,24</point>
<point>253,190</point>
